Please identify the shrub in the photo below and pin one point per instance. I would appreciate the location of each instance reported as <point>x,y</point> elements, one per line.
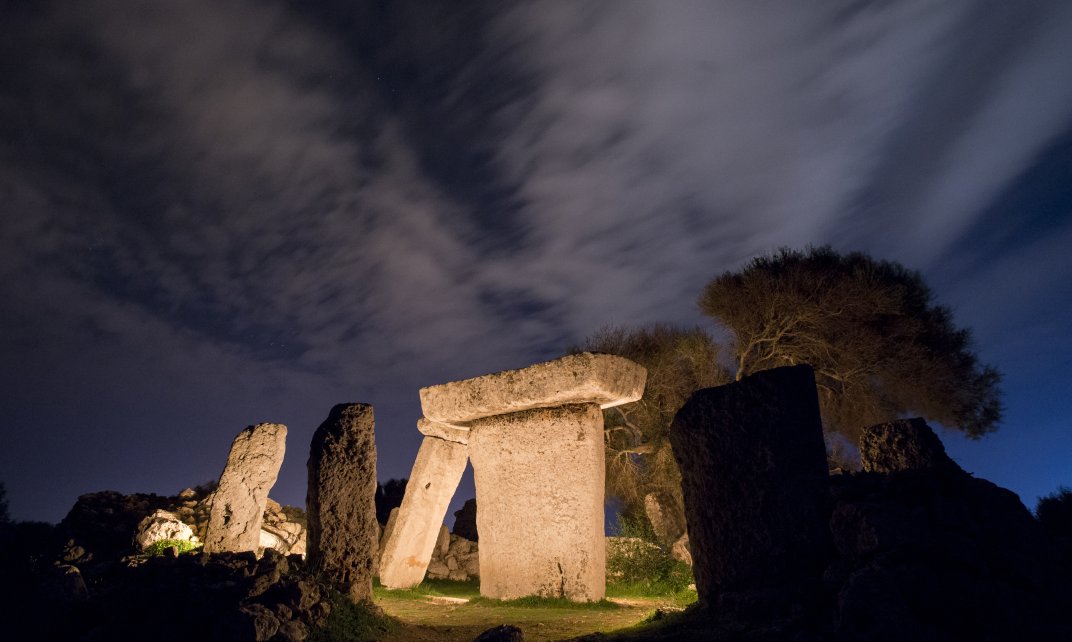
<point>1054,513</point>
<point>184,546</point>
<point>351,622</point>
<point>637,563</point>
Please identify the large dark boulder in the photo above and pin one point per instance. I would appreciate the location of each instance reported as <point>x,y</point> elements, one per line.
<point>928,552</point>
<point>754,476</point>
<point>341,509</point>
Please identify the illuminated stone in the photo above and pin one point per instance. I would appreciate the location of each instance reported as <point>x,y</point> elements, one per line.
<point>412,537</point>
<point>603,379</point>
<point>341,499</point>
<point>238,504</point>
<point>429,428</point>
<point>539,485</point>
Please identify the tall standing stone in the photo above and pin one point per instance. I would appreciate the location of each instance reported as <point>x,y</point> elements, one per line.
<point>540,486</point>
<point>341,499</point>
<point>754,475</point>
<point>238,504</point>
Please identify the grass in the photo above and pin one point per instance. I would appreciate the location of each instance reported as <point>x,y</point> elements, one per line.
<point>349,622</point>
<point>670,594</point>
<point>423,618</point>
<point>536,602</point>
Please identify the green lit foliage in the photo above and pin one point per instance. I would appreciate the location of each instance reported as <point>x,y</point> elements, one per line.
<point>184,546</point>
<point>880,346</point>
<point>639,565</point>
<point>637,435</point>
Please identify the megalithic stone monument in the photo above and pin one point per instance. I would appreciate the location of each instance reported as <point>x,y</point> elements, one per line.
<point>341,499</point>
<point>535,437</point>
<point>435,476</point>
<point>234,522</point>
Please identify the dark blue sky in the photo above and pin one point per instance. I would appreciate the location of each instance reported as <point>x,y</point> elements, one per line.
<point>216,213</point>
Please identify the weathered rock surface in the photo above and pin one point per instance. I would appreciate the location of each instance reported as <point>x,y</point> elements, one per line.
<point>240,498</point>
<point>283,529</point>
<point>604,379</point>
<point>754,476</point>
<point>341,508</point>
<point>459,561</point>
<point>449,432</point>
<point>907,444</point>
<point>410,540</point>
<point>162,525</point>
<point>465,521</point>
<point>666,517</point>
<point>539,484</point>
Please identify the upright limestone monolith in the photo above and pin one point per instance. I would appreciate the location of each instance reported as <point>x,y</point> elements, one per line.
<point>238,504</point>
<point>754,475</point>
<point>341,499</point>
<point>540,487</point>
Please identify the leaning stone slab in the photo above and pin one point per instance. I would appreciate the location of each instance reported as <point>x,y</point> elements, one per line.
<point>586,377</point>
<point>341,499</point>
<point>412,537</point>
<point>540,487</point>
<point>754,475</point>
<point>238,504</point>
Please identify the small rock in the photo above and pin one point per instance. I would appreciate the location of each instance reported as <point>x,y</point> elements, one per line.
<point>501,633</point>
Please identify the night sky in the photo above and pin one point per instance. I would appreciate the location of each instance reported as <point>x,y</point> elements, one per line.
<point>215,213</point>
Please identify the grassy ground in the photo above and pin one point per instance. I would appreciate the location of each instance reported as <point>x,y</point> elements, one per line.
<point>447,611</point>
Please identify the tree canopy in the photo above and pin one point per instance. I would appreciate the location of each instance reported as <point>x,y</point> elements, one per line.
<point>880,346</point>
<point>679,362</point>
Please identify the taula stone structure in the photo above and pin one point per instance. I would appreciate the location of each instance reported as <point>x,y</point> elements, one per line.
<point>340,501</point>
<point>535,439</point>
<point>754,475</point>
<point>234,522</point>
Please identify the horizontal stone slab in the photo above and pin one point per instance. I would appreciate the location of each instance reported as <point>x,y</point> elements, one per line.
<point>448,432</point>
<point>587,377</point>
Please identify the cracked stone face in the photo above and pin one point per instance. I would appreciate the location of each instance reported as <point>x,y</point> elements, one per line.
<point>238,504</point>
<point>539,485</point>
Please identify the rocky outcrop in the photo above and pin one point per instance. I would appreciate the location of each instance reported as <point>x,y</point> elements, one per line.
<point>907,444</point>
<point>926,551</point>
<point>341,505</point>
<point>754,476</point>
<point>241,496</point>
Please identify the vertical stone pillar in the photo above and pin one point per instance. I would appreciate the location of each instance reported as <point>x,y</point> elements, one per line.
<point>234,522</point>
<point>540,487</point>
<point>754,476</point>
<point>341,499</point>
<point>435,476</point>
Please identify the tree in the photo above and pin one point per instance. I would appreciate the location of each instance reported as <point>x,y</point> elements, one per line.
<point>880,346</point>
<point>679,362</point>
<point>1054,513</point>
